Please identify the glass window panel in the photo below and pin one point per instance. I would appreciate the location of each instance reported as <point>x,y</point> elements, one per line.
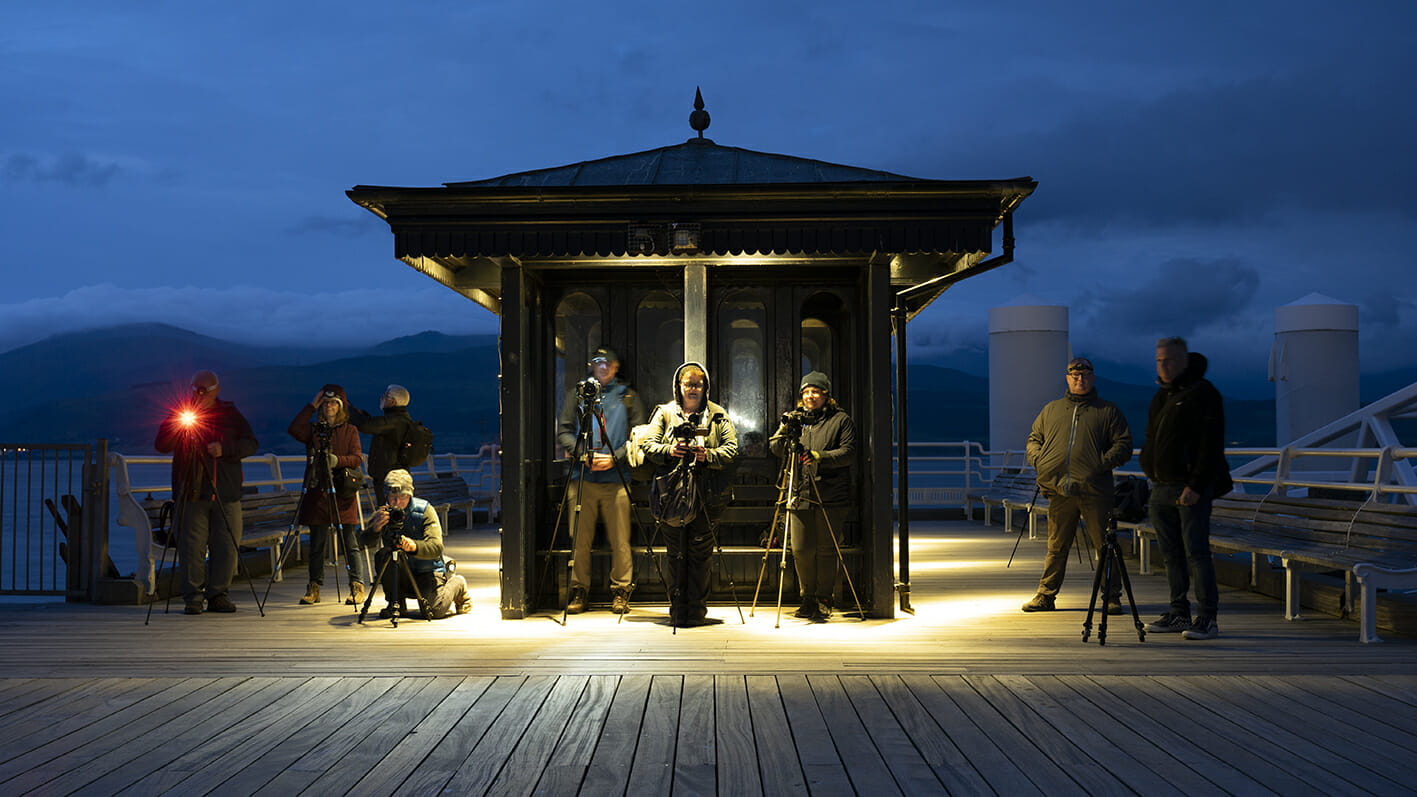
<point>659,330</point>
<point>578,331</point>
<point>742,319</point>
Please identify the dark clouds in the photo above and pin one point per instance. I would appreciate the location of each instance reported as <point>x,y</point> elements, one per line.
<point>68,168</point>
<point>1184,295</point>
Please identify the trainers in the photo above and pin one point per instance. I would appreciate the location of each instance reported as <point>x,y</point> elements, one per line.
<point>312,594</point>
<point>1203,628</point>
<point>1169,623</point>
<point>1040,603</point>
<point>356,594</point>
<point>465,604</point>
<point>193,607</point>
<point>576,604</point>
<point>221,604</point>
<point>620,602</point>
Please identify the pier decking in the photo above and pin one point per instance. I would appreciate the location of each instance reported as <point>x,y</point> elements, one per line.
<point>969,695</point>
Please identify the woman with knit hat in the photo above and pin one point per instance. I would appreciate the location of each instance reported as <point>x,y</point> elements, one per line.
<point>331,442</point>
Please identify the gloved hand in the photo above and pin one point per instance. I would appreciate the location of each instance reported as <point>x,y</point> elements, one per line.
<point>331,460</point>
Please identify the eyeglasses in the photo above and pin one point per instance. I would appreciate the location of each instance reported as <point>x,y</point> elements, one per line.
<point>202,391</point>
<point>600,361</point>
<point>693,385</point>
<point>1079,374</point>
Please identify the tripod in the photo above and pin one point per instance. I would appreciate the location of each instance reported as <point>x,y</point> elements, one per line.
<point>1109,568</point>
<point>788,499</point>
<point>392,554</point>
<point>317,464</point>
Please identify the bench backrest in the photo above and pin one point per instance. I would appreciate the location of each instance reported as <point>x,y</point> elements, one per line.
<point>1381,528</point>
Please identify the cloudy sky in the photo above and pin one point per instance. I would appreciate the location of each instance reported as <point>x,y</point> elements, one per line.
<point>1199,164</point>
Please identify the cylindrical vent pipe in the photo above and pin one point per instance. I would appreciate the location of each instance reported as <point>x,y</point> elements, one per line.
<point>1314,365</point>
<point>1028,355</point>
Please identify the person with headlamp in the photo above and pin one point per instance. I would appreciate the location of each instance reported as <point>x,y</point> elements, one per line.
<point>207,439</point>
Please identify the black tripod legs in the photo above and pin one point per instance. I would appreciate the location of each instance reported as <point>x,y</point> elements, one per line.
<point>1110,571</point>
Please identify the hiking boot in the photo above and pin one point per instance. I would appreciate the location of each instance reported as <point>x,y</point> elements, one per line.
<point>1114,606</point>
<point>1169,623</point>
<point>312,594</point>
<point>1203,628</point>
<point>193,607</point>
<point>388,611</point>
<point>576,604</point>
<point>807,609</point>
<point>356,594</point>
<point>465,604</point>
<point>1040,603</point>
<point>619,601</point>
<point>821,613</point>
<point>221,604</point>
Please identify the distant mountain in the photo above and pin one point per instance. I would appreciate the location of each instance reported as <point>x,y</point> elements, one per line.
<point>117,383</point>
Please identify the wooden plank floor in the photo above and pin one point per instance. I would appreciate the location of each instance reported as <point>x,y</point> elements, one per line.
<point>968,696</point>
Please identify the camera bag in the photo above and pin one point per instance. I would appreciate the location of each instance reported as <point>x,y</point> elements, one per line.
<point>347,482</point>
<point>672,497</point>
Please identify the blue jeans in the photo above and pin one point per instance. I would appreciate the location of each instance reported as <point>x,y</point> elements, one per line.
<point>1183,533</point>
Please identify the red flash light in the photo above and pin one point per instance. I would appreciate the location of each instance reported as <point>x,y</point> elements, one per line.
<point>187,418</point>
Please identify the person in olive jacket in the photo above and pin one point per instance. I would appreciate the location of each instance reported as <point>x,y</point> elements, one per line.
<point>821,496</point>
<point>1075,444</point>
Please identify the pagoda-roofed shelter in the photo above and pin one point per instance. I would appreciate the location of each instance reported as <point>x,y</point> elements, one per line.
<point>761,266</point>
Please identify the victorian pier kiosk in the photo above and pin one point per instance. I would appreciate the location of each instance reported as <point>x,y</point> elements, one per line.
<point>761,266</point>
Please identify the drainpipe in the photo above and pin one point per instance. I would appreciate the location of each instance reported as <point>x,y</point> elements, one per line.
<point>899,314</point>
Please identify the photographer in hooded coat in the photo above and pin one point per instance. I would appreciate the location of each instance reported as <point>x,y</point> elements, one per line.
<point>825,445</point>
<point>713,453</point>
<point>411,525</point>
<point>331,442</point>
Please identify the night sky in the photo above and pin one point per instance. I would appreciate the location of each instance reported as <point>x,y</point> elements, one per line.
<point>1199,164</point>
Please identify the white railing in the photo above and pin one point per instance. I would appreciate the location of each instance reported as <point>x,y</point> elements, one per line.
<point>942,473</point>
<point>138,480</point>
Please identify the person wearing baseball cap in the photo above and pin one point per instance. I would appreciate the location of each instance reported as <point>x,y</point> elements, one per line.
<point>1075,444</point>
<point>418,534</point>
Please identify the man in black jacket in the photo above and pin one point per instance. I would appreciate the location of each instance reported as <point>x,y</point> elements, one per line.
<point>207,438</point>
<point>1076,443</point>
<point>1184,456</point>
<point>386,434</point>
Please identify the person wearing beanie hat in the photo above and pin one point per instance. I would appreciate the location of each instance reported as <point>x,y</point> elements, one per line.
<point>818,439</point>
<point>1076,442</point>
<point>711,450</point>
<point>600,476</point>
<point>386,432</point>
<point>207,438</point>
<point>328,506</point>
<point>420,536</point>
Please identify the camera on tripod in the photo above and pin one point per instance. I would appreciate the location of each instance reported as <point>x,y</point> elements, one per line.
<point>394,529</point>
<point>588,390</point>
<point>792,421</point>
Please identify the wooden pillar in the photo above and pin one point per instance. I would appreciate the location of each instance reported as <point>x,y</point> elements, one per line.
<point>875,427</point>
<point>517,411</point>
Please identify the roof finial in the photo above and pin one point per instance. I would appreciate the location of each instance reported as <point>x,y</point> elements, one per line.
<point>699,119</point>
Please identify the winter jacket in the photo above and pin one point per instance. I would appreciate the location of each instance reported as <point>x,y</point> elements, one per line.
<point>623,410</point>
<point>191,464</point>
<point>1075,444</point>
<point>1185,433</point>
<point>831,436</point>
<point>386,436</point>
<point>720,441</point>
<point>344,444</point>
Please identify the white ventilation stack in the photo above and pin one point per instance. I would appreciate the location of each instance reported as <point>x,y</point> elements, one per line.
<point>1028,355</point>
<point>1313,365</point>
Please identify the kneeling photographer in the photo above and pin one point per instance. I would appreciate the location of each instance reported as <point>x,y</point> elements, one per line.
<point>821,436</point>
<point>410,525</point>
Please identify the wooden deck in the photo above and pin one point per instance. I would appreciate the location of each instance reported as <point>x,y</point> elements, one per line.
<point>967,696</point>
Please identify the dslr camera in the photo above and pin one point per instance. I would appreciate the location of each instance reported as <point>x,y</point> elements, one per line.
<point>792,422</point>
<point>394,529</point>
<point>588,390</point>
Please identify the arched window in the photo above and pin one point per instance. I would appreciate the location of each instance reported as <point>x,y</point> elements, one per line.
<point>824,326</point>
<point>659,332</point>
<point>742,322</point>
<point>578,331</point>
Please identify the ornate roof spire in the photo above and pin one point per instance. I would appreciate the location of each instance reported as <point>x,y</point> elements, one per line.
<point>699,119</point>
